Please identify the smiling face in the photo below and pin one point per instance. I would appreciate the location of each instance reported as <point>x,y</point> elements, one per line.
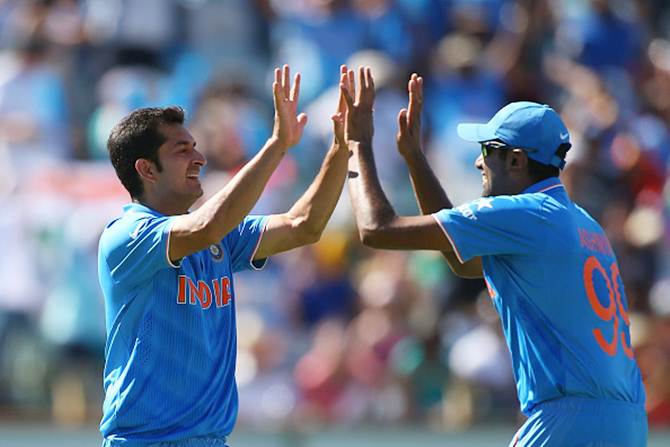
<point>178,181</point>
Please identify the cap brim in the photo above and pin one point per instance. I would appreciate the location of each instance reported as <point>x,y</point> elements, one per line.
<point>475,132</point>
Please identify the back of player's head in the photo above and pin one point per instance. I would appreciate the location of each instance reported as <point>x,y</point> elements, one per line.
<point>535,128</point>
<point>138,136</point>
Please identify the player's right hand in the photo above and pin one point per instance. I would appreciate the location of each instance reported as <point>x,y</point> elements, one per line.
<point>358,123</point>
<point>409,119</point>
<point>340,115</point>
<point>288,127</point>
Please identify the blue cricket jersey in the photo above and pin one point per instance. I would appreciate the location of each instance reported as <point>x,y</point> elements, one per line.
<point>171,336</point>
<point>554,280</point>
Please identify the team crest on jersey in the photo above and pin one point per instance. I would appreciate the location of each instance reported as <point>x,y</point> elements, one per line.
<point>216,251</point>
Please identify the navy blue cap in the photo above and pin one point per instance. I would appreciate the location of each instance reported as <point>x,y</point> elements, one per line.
<point>535,128</point>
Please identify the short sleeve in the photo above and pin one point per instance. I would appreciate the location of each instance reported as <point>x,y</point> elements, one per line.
<point>502,225</point>
<point>137,249</point>
<point>243,242</point>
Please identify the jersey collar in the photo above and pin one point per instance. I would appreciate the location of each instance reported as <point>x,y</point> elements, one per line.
<point>544,185</point>
<point>134,207</point>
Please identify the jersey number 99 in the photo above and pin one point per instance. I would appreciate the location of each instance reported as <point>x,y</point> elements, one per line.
<point>592,267</point>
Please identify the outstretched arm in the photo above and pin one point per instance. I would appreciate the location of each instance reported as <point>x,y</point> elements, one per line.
<point>307,218</point>
<point>430,195</point>
<point>208,224</point>
<point>378,224</point>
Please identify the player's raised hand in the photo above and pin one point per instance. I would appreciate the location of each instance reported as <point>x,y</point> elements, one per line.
<point>340,114</point>
<point>289,126</point>
<point>358,123</point>
<point>409,119</point>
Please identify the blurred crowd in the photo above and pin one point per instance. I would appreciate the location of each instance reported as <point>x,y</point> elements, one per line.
<point>333,333</point>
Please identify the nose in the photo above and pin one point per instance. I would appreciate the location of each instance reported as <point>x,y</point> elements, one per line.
<point>479,162</point>
<point>200,159</point>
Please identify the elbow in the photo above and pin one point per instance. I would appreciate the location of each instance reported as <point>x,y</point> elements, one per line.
<point>310,233</point>
<point>369,236</point>
<point>311,237</point>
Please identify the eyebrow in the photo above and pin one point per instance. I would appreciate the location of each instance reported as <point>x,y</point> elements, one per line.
<point>185,143</point>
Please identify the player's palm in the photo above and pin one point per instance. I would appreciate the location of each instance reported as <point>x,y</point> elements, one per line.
<point>288,126</point>
<point>359,122</point>
<point>409,119</point>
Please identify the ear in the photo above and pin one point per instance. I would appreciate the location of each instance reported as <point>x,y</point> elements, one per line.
<point>517,160</point>
<point>146,169</point>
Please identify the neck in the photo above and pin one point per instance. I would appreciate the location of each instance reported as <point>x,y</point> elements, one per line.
<point>523,184</point>
<point>168,206</point>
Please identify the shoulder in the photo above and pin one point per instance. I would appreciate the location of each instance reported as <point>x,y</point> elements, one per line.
<point>504,205</point>
<point>122,230</point>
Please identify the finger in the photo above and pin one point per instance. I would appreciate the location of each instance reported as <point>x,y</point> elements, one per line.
<point>351,83</point>
<point>286,83</point>
<point>419,89</point>
<point>348,100</point>
<point>369,79</point>
<point>295,90</point>
<point>411,106</point>
<point>370,83</point>
<point>276,98</point>
<point>362,87</point>
<point>302,119</point>
<point>278,76</point>
<point>341,105</point>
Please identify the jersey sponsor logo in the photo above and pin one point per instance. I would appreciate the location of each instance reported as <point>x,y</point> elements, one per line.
<point>200,292</point>
<point>138,228</point>
<point>596,242</point>
<point>466,212</point>
<point>216,251</point>
<point>564,136</point>
<point>469,213</point>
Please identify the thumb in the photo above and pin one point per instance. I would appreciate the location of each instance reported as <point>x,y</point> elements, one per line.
<point>338,127</point>
<point>402,122</point>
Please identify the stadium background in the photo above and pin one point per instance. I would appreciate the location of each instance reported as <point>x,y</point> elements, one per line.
<point>337,343</point>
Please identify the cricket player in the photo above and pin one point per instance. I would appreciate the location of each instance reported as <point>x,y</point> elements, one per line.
<point>167,273</point>
<point>549,268</point>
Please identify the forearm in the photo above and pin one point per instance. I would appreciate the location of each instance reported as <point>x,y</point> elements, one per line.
<point>429,193</point>
<point>226,209</point>
<point>431,198</point>
<point>372,209</point>
<point>316,205</point>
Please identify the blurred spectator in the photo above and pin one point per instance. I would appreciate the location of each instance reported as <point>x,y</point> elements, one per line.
<point>33,111</point>
<point>335,333</point>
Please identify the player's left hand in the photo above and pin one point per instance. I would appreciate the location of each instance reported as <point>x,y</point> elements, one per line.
<point>409,119</point>
<point>288,127</point>
<point>358,123</point>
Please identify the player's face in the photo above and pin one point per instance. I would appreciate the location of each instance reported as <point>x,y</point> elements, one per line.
<point>181,164</point>
<point>495,177</point>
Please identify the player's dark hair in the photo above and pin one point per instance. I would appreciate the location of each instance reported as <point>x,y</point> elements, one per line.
<point>138,136</point>
<point>539,171</point>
